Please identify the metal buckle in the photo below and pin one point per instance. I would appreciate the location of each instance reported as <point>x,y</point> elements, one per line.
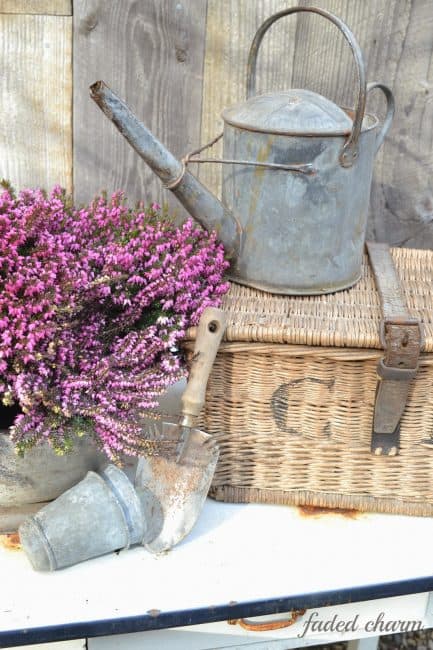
<point>386,444</point>
<point>403,322</point>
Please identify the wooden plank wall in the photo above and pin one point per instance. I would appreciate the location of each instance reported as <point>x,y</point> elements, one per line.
<point>36,93</point>
<point>178,63</point>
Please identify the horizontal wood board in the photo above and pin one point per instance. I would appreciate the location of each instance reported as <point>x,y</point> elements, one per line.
<point>43,7</point>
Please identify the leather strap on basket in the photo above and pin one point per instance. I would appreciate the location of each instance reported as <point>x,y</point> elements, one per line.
<point>401,337</point>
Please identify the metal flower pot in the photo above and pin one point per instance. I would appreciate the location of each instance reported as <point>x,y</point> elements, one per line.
<point>102,513</point>
<point>27,484</point>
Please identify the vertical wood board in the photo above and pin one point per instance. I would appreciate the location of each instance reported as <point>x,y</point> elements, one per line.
<point>231,25</point>
<point>151,54</point>
<point>35,102</point>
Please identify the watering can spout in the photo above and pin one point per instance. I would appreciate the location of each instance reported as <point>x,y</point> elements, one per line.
<point>203,206</point>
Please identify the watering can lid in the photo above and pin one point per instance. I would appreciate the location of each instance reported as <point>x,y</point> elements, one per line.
<point>300,112</point>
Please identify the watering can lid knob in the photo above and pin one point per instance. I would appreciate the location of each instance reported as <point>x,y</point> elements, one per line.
<point>295,112</point>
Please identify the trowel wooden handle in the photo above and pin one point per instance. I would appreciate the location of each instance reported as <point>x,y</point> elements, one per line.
<point>209,334</point>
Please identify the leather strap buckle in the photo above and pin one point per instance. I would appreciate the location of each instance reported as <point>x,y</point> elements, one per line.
<point>395,374</point>
<point>401,336</point>
<point>387,323</point>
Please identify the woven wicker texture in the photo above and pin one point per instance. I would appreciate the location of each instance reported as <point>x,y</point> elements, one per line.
<point>294,421</point>
<point>345,319</point>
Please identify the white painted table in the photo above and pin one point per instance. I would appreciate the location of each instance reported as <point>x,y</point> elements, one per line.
<point>240,561</point>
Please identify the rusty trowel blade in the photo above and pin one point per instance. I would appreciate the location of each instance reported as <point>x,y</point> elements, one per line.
<point>173,492</point>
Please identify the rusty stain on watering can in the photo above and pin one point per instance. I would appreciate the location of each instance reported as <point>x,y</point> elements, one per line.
<point>297,172</point>
<point>262,156</point>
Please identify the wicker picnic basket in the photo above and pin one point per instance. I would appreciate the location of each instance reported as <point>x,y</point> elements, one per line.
<point>297,404</point>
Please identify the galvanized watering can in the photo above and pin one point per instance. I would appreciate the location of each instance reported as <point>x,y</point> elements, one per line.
<point>296,179</point>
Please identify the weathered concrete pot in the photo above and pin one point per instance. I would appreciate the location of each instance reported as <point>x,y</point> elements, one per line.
<point>27,484</point>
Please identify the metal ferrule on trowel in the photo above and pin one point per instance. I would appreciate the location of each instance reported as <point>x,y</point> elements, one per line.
<point>209,334</point>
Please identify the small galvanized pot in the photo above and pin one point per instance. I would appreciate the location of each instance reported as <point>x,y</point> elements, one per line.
<point>100,514</point>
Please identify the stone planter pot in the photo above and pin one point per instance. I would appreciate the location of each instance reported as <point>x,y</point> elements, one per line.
<point>27,484</point>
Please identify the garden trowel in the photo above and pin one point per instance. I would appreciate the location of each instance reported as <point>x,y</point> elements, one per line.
<point>173,485</point>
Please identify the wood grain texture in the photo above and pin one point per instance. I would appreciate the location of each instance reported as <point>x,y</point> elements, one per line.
<point>308,52</point>
<point>231,25</point>
<point>396,38</point>
<point>150,53</point>
<point>44,7</point>
<point>35,102</point>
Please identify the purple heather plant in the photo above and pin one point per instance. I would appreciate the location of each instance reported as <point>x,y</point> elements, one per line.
<point>93,305</point>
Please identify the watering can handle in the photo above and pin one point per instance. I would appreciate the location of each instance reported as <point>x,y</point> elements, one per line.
<point>349,152</point>
<point>390,108</point>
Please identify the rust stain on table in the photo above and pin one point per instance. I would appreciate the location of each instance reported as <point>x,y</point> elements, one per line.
<point>317,511</point>
<point>10,541</point>
<point>153,612</point>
